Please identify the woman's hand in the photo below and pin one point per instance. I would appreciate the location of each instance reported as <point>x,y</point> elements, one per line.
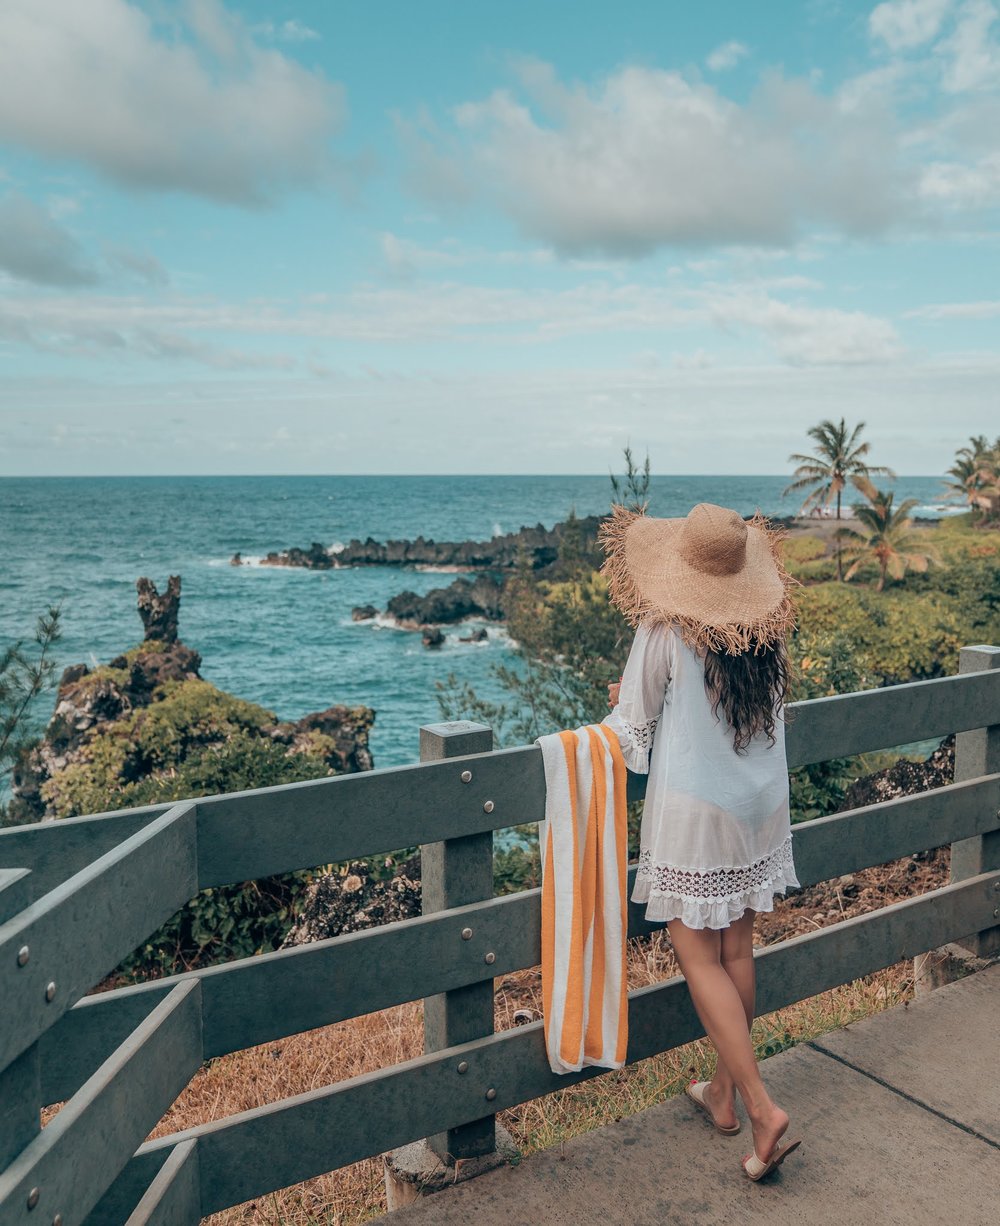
<point>614,687</point>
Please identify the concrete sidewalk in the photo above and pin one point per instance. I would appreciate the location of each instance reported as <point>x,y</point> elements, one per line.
<point>900,1120</point>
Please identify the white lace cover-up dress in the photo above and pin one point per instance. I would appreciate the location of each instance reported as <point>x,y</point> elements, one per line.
<point>716,836</point>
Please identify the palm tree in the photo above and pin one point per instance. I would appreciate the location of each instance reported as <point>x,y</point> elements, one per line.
<point>975,476</point>
<point>885,536</point>
<point>837,455</point>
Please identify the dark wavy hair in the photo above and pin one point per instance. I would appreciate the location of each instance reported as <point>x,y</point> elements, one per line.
<point>749,688</point>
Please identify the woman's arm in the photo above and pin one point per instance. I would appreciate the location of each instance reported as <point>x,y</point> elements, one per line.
<point>637,700</point>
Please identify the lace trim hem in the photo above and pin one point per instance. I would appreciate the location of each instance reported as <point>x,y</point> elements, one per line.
<point>715,898</point>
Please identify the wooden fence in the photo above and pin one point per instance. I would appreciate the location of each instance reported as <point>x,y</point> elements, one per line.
<point>78,895</point>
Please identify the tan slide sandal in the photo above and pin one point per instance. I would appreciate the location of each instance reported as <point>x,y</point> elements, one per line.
<point>695,1090</point>
<point>756,1169</point>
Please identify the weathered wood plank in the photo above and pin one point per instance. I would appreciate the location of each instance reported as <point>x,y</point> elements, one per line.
<point>844,842</point>
<point>81,1151</point>
<point>246,835</point>
<point>86,1035</point>
<point>20,1083</point>
<point>849,724</point>
<point>456,873</point>
<point>249,835</point>
<point>174,1196</point>
<point>54,851</point>
<point>977,752</point>
<point>250,1154</point>
<point>84,927</point>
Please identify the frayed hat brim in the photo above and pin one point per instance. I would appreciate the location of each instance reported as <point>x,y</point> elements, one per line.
<point>650,580</point>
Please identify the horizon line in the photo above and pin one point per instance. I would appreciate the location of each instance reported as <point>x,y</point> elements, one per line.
<point>388,475</point>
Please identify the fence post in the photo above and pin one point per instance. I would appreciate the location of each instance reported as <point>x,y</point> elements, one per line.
<point>20,1092</point>
<point>453,874</point>
<point>977,752</point>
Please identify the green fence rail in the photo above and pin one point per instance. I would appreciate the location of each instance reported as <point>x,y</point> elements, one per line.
<point>78,895</point>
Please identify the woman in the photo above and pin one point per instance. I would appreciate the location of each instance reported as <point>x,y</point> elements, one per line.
<point>699,707</point>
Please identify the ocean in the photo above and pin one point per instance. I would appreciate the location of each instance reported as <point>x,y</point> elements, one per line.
<point>284,637</point>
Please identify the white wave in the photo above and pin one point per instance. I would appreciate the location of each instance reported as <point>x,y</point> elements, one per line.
<point>935,510</point>
<point>497,530</point>
<point>336,547</point>
<point>383,621</point>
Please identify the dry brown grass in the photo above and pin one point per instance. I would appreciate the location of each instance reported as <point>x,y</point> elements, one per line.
<point>356,1193</point>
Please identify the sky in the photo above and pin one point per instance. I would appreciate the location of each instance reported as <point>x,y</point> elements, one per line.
<point>445,236</point>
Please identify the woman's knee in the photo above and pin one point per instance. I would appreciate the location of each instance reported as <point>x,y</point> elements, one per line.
<point>737,939</point>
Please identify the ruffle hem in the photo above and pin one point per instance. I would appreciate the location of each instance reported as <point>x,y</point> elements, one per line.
<point>713,906</point>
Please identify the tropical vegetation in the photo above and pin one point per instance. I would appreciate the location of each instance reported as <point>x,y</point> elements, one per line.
<point>837,456</point>
<point>885,536</point>
<point>975,478</point>
<point>25,673</point>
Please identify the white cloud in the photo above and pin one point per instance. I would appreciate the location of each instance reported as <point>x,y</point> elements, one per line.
<point>198,107</point>
<point>138,264</point>
<point>812,336</point>
<point>647,158</point>
<point>728,55</point>
<point>455,313</point>
<point>957,310</point>
<point>973,57</point>
<point>33,247</point>
<point>123,328</point>
<point>290,31</point>
<point>404,258</point>
<point>967,186</point>
<point>905,24</point>
<point>294,31</point>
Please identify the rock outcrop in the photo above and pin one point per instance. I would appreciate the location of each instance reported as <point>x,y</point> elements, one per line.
<point>538,546</point>
<point>98,729</point>
<point>352,899</point>
<point>344,732</point>
<point>445,605</point>
<point>904,778</point>
<point>159,613</point>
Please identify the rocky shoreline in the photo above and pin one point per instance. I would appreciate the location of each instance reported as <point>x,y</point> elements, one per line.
<point>537,546</point>
<point>481,598</point>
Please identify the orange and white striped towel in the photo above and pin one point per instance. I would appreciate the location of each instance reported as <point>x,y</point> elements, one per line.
<point>584,849</point>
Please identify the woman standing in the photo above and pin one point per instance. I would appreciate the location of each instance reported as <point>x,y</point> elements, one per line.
<point>699,707</point>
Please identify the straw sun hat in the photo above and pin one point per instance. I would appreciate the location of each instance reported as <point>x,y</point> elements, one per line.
<point>717,577</point>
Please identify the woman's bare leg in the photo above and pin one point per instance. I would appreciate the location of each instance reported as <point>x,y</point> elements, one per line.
<point>721,1010</point>
<point>737,961</point>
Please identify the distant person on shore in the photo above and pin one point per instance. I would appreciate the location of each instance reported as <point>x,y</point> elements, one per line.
<point>700,709</point>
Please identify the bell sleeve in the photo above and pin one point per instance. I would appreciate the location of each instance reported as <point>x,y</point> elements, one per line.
<point>640,699</point>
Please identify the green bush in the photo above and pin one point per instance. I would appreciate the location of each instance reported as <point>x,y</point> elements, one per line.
<point>895,636</point>
<point>800,549</point>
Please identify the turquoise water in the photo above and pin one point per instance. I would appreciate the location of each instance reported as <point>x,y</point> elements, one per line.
<point>284,637</point>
